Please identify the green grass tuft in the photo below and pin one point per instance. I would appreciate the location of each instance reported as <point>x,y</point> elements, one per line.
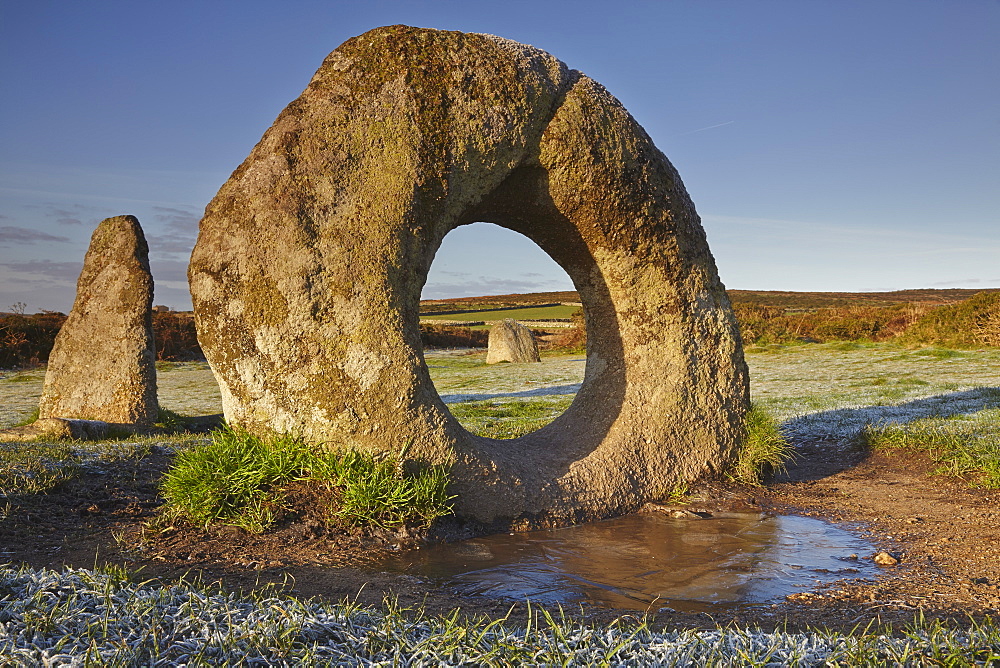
<point>21,378</point>
<point>233,479</point>
<point>939,353</point>
<point>238,479</point>
<point>764,449</point>
<point>380,492</point>
<point>965,447</point>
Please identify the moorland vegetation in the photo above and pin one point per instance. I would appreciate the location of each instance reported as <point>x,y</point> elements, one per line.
<point>27,339</point>
<point>959,319</point>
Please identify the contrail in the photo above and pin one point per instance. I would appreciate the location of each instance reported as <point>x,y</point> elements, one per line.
<point>710,127</point>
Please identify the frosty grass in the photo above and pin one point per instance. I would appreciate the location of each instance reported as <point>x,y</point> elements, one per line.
<point>81,617</point>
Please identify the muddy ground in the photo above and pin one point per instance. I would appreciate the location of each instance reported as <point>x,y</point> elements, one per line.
<point>945,535</point>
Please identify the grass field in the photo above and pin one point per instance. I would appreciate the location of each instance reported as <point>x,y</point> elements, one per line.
<point>892,396</point>
<point>818,391</point>
<point>805,385</point>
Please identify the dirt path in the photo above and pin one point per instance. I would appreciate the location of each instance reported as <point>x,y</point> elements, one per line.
<point>946,535</point>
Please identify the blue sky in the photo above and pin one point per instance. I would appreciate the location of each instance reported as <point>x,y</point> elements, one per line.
<point>828,145</point>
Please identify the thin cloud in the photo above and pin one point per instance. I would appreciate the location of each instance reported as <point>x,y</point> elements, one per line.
<point>710,127</point>
<point>169,271</point>
<point>74,214</point>
<point>22,235</point>
<point>41,271</point>
<point>177,220</point>
<point>86,196</point>
<point>968,282</point>
<point>69,214</point>
<point>180,231</point>
<point>64,217</point>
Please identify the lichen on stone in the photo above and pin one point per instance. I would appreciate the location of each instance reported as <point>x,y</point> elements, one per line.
<point>325,234</point>
<point>102,365</point>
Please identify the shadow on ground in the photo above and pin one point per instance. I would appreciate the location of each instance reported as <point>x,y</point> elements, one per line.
<point>828,442</point>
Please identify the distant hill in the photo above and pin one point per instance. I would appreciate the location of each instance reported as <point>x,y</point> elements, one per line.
<point>497,301</point>
<point>911,317</point>
<point>776,298</point>
<point>809,300</point>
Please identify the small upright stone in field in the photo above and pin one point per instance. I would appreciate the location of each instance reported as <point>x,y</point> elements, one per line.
<point>102,366</point>
<point>510,341</point>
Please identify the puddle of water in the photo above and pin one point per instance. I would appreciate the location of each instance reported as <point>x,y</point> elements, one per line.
<point>645,560</point>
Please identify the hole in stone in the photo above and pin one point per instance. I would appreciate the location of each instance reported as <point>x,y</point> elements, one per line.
<point>482,275</point>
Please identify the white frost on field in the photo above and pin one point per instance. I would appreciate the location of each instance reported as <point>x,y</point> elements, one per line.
<point>463,375</point>
<point>820,391</point>
<point>544,391</point>
<point>78,617</point>
<point>188,388</point>
<point>833,391</point>
<point>19,395</point>
<point>846,423</point>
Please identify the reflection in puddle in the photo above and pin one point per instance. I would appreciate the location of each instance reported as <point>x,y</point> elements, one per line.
<point>630,562</point>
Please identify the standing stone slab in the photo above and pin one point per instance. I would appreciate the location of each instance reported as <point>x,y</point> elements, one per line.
<point>510,341</point>
<point>102,366</point>
<point>307,273</point>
